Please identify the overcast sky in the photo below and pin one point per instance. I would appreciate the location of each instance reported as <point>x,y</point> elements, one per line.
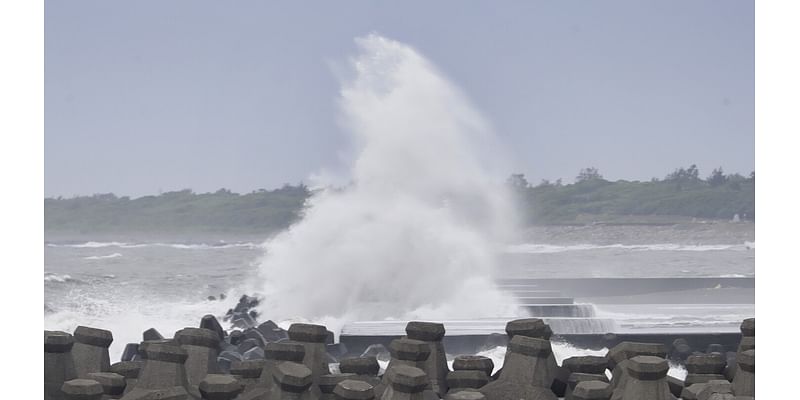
<point>149,96</point>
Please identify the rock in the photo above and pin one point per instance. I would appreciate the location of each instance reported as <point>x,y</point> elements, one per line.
<point>675,386</point>
<point>328,382</point>
<point>219,387</point>
<point>474,363</point>
<point>378,351</point>
<point>336,350</point>
<point>560,378</point>
<point>151,334</point>
<point>690,392</point>
<point>272,332</point>
<point>247,344</point>
<point>231,356</point>
<point>276,353</point>
<point>82,389</point>
<point>354,390</point>
<point>58,364</point>
<point>285,351</point>
<point>704,367</point>
<point>360,366</point>
<point>130,352</point>
<point>465,395</point>
<point>592,390</point>
<point>577,377</point>
<point>531,327</point>
<point>128,370</point>
<point>681,352</point>
<point>748,327</point>
<point>224,365</point>
<point>236,337</point>
<point>405,383</point>
<point>247,372</point>
<point>618,355</point>
<point>407,352</point>
<point>466,379</point>
<point>747,343</point>
<point>292,381</point>
<point>691,379</point>
<point>256,353</point>
<point>113,384</point>
<point>211,323</point>
<point>586,364</point>
<point>255,334</point>
<point>627,350</point>
<point>730,366</point>
<point>90,352</point>
<point>716,390</point>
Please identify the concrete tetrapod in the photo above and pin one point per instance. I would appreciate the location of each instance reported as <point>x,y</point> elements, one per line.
<point>82,389</point>
<point>219,387</point>
<point>525,374</point>
<point>163,373</point>
<point>202,348</point>
<point>744,383</point>
<point>58,364</point>
<point>435,366</point>
<point>349,389</point>
<point>646,380</point>
<point>292,382</point>
<point>90,352</point>
<point>312,337</point>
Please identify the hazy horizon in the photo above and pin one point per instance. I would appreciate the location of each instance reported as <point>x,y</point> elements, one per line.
<point>151,97</point>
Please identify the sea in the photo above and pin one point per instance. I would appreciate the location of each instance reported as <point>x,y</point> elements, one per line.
<point>128,283</point>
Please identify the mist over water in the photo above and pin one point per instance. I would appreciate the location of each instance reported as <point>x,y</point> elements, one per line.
<point>416,233</point>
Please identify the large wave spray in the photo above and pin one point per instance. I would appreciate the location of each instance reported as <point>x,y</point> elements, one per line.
<point>416,233</point>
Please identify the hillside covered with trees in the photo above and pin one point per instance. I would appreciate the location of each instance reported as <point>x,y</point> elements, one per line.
<point>681,193</point>
<point>590,198</point>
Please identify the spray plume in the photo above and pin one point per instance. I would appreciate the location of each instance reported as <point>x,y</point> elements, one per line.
<point>415,235</point>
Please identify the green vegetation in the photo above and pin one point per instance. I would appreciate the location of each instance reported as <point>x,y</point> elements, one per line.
<point>183,211</point>
<point>590,199</point>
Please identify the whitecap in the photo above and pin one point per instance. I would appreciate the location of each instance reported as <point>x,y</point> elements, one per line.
<point>115,255</point>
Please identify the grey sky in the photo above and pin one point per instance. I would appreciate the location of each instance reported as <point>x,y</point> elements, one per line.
<point>142,96</point>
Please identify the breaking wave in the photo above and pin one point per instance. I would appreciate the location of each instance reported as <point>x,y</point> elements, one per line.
<point>114,255</point>
<point>180,246</point>
<point>58,278</point>
<point>411,236</point>
<point>533,248</point>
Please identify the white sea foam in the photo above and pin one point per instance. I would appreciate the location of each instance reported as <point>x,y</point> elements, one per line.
<point>563,351</point>
<point>89,244</point>
<point>179,246</point>
<point>533,248</point>
<point>411,236</point>
<point>114,255</point>
<point>127,319</point>
<point>58,278</point>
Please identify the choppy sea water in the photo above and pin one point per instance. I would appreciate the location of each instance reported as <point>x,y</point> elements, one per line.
<point>130,285</point>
